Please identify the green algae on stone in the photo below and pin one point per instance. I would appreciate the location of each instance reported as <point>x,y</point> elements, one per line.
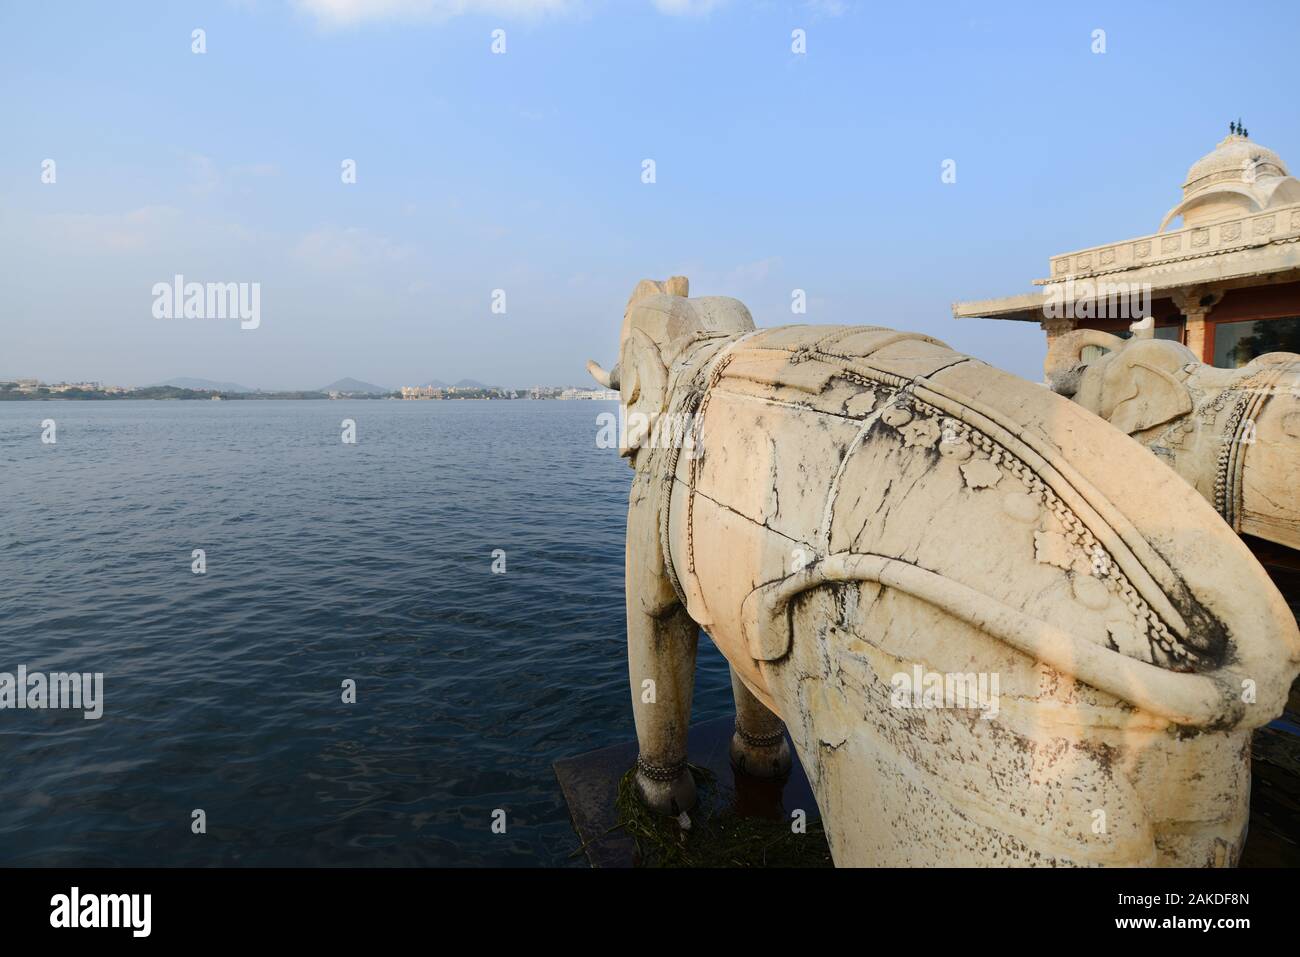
<point>716,836</point>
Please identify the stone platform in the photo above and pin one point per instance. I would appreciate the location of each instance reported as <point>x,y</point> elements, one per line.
<point>590,785</point>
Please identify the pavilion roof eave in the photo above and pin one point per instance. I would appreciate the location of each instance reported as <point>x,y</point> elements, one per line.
<point>1026,307</point>
<point>1278,261</point>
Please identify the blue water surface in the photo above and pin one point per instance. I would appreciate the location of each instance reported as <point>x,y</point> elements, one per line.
<point>325,562</point>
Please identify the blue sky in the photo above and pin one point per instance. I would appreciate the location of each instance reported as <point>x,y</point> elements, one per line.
<point>522,171</point>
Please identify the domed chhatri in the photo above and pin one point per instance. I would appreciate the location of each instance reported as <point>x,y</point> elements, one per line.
<point>1237,178</point>
<point>1221,275</point>
<point>1236,158</point>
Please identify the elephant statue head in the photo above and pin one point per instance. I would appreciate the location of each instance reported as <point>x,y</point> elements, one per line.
<point>1234,434</point>
<point>979,612</point>
<point>660,325</point>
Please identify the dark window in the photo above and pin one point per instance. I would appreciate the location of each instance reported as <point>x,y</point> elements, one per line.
<point>1236,343</point>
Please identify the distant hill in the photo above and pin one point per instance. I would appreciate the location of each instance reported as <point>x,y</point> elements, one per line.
<point>355,385</point>
<point>462,384</point>
<point>207,385</point>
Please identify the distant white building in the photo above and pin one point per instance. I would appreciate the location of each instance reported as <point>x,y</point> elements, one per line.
<point>420,392</point>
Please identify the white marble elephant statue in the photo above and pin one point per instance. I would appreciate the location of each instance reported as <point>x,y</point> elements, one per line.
<point>998,631</point>
<point>1234,434</point>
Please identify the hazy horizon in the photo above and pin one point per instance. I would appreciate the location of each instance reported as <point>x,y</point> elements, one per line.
<point>522,172</point>
<point>466,382</point>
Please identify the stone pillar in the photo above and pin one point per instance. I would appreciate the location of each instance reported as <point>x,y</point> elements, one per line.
<point>1196,333</point>
<point>1196,304</point>
<point>1055,328</point>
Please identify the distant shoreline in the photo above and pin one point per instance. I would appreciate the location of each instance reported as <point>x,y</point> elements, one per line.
<point>165,393</point>
<point>145,396</point>
<point>178,394</point>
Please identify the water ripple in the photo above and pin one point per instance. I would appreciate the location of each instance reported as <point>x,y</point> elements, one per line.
<point>325,562</point>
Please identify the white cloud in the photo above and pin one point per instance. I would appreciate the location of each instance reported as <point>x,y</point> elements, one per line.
<point>688,8</point>
<point>208,177</point>
<point>751,274</point>
<point>255,169</point>
<point>138,229</point>
<point>827,8</point>
<point>333,247</point>
<point>342,13</point>
<point>204,176</point>
<point>349,12</point>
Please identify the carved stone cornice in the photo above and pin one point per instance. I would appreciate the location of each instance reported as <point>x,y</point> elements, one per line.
<point>1278,225</point>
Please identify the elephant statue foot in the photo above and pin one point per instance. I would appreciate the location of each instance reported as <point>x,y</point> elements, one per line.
<point>667,790</point>
<point>758,745</point>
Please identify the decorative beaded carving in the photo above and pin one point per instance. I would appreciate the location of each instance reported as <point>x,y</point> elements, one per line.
<point>759,740</point>
<point>979,452</point>
<point>1227,479</point>
<point>660,772</point>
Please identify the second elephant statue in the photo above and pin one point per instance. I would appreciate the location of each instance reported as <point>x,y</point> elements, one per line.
<point>1233,434</point>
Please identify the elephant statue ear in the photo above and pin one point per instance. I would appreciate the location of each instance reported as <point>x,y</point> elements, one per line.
<point>1147,396</point>
<point>644,384</point>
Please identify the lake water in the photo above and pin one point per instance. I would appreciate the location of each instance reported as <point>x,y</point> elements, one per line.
<point>325,562</point>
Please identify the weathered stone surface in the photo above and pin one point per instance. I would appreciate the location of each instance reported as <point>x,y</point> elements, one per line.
<point>863,511</point>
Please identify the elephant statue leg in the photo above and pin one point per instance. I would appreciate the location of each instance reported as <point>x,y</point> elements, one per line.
<point>661,645</point>
<point>758,746</point>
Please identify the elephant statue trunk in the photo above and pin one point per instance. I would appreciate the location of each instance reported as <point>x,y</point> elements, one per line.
<point>996,629</point>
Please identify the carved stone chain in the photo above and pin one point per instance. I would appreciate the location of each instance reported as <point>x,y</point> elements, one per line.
<point>759,740</point>
<point>690,400</point>
<point>660,772</point>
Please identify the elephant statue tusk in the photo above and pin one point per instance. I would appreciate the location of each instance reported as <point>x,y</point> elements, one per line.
<point>608,379</point>
<point>1144,328</point>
